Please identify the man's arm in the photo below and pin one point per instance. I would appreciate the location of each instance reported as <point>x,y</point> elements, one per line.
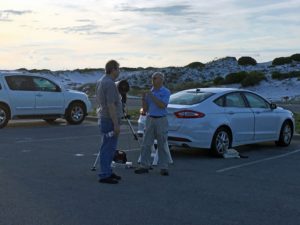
<point>113,115</point>
<point>157,101</point>
<point>144,103</point>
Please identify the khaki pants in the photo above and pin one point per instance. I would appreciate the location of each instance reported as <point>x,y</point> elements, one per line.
<point>155,128</point>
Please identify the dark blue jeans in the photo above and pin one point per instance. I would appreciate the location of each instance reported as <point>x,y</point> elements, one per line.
<point>108,147</point>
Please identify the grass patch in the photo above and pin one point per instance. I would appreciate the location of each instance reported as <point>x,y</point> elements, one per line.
<point>134,114</point>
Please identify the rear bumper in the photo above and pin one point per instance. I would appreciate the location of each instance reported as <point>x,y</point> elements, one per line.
<point>198,139</point>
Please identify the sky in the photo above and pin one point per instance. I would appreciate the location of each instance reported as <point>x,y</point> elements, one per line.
<point>68,34</point>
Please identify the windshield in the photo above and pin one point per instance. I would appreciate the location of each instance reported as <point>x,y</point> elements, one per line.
<point>189,97</point>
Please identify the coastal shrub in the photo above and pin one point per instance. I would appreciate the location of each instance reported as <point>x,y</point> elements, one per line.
<point>253,78</point>
<point>195,65</point>
<point>296,57</point>
<point>281,61</point>
<point>246,61</point>
<point>278,76</point>
<point>295,74</point>
<point>233,78</point>
<point>281,76</point>
<point>218,80</point>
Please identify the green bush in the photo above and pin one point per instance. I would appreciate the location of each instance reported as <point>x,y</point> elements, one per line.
<point>281,61</point>
<point>282,76</point>
<point>296,57</point>
<point>233,78</point>
<point>252,78</point>
<point>246,61</point>
<point>219,80</point>
<point>195,65</point>
<point>278,76</point>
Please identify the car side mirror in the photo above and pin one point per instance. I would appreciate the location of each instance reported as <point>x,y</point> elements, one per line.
<point>273,106</point>
<point>58,88</point>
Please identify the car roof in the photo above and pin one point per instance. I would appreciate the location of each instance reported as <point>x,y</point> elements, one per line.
<point>22,73</point>
<point>214,90</point>
<point>14,73</point>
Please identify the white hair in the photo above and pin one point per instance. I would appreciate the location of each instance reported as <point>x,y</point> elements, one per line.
<point>159,74</point>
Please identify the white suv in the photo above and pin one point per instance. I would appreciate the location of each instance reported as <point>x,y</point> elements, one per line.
<point>37,96</point>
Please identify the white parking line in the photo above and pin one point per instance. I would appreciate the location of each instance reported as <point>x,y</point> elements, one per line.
<point>257,161</point>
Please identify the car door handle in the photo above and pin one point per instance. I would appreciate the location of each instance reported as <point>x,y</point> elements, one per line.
<point>38,95</point>
<point>230,113</point>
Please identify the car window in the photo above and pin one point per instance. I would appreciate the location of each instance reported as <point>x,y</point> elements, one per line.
<point>20,83</point>
<point>43,84</point>
<point>220,101</point>
<point>189,97</point>
<point>235,100</point>
<point>256,101</point>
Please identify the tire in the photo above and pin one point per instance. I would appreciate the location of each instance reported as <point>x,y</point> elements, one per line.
<point>221,141</point>
<point>286,134</point>
<point>4,116</point>
<point>75,113</point>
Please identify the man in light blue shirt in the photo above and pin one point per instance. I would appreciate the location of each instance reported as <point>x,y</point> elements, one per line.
<point>155,103</point>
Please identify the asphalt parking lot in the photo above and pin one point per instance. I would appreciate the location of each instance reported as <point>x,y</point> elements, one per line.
<point>45,178</point>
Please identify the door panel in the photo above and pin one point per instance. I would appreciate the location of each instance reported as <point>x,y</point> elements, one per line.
<point>49,98</point>
<point>240,117</point>
<point>265,118</point>
<point>21,94</point>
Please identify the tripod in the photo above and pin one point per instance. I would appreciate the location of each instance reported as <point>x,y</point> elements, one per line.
<point>125,116</point>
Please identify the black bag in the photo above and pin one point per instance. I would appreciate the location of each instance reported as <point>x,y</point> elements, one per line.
<point>120,157</point>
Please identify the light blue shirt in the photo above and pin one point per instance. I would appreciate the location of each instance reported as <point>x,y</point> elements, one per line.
<point>163,94</point>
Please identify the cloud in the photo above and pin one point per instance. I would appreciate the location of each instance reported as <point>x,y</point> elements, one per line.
<point>6,14</point>
<point>88,29</point>
<point>174,10</point>
<point>84,20</point>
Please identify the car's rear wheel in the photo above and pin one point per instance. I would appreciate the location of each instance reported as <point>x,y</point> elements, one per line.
<point>221,141</point>
<point>286,134</point>
<point>4,116</point>
<point>75,113</point>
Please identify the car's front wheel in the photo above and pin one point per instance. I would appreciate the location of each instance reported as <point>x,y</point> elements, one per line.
<point>4,116</point>
<point>75,113</point>
<point>221,141</point>
<point>286,134</point>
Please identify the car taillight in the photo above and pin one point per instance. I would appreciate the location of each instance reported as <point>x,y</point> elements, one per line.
<point>188,114</point>
<point>142,112</point>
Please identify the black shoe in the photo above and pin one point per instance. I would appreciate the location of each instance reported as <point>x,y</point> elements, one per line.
<point>164,172</point>
<point>115,176</point>
<point>141,170</point>
<point>108,180</point>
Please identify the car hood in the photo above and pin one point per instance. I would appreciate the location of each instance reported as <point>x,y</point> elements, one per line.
<point>74,91</point>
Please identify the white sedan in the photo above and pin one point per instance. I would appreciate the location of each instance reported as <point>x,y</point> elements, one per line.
<point>221,118</point>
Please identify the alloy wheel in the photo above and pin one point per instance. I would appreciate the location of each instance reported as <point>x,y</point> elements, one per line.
<point>222,142</point>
